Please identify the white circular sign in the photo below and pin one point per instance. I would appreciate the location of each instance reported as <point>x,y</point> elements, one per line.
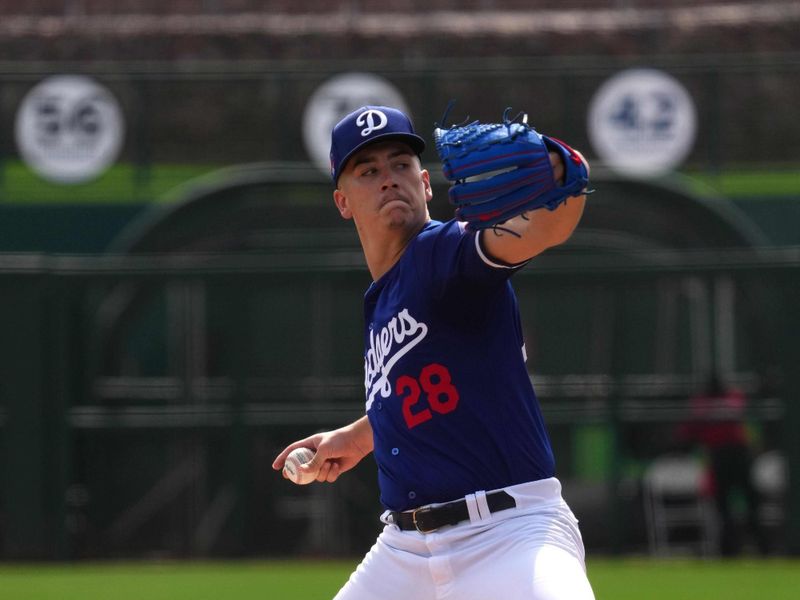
<point>337,97</point>
<point>642,122</point>
<point>69,129</point>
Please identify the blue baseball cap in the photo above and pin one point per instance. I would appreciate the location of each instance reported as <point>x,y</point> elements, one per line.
<point>366,125</point>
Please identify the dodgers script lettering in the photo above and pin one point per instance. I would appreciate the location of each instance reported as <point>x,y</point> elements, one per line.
<point>386,347</point>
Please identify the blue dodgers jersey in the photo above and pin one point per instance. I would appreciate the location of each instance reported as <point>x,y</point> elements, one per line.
<point>448,395</point>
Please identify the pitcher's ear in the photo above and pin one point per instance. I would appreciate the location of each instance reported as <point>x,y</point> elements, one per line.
<point>426,180</point>
<point>342,204</point>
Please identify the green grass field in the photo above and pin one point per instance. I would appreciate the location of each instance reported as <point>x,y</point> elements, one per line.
<point>125,182</point>
<point>121,183</point>
<point>623,579</point>
<point>746,183</point>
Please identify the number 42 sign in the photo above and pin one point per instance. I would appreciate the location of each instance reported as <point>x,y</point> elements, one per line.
<point>642,122</point>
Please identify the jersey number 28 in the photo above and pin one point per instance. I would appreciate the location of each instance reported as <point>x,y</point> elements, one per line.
<point>435,382</point>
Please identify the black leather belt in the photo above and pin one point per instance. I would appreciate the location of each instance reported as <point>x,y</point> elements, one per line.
<point>430,518</point>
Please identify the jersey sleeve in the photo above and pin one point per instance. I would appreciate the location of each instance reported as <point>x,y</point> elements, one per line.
<point>448,255</point>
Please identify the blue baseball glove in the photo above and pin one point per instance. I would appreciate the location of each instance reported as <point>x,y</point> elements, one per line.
<point>501,170</point>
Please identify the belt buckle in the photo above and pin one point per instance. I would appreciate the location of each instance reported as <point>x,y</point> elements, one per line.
<point>422,509</point>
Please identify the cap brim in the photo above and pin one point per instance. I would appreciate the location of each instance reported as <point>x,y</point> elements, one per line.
<point>415,142</point>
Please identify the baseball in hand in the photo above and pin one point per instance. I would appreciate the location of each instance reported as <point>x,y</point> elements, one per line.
<point>297,457</point>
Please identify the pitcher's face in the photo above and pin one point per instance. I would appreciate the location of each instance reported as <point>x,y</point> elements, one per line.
<point>384,185</point>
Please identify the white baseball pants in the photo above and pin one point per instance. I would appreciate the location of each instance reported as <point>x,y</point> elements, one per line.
<point>532,552</point>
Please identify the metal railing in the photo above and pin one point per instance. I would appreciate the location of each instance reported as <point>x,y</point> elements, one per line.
<point>66,415</point>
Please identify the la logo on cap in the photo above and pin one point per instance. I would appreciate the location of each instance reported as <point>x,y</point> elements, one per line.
<point>366,125</point>
<point>368,118</point>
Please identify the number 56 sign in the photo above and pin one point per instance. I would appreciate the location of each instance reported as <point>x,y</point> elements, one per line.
<point>642,122</point>
<point>69,129</point>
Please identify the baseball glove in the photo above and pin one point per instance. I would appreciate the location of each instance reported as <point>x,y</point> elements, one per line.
<point>501,170</point>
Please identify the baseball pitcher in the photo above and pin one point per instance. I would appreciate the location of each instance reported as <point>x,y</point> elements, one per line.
<point>473,510</point>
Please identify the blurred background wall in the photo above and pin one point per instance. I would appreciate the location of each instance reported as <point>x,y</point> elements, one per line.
<point>179,300</point>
